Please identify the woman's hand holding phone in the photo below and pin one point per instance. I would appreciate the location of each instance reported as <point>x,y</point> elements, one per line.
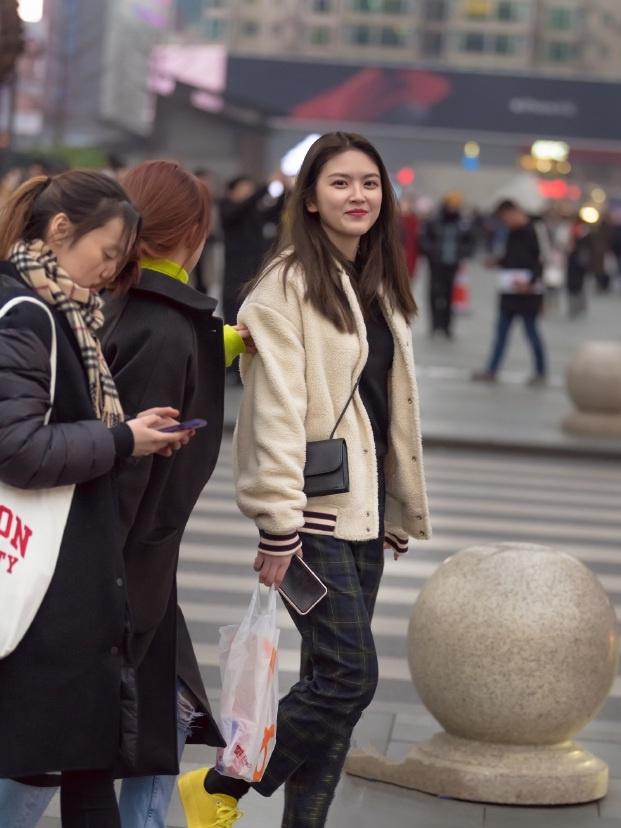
<point>148,439</point>
<point>271,568</point>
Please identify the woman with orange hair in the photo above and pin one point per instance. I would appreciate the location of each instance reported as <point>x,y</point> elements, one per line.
<point>163,337</point>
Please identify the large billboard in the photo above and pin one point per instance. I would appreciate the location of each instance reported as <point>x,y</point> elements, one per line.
<point>469,102</point>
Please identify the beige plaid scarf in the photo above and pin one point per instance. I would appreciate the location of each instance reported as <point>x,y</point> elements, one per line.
<point>39,268</point>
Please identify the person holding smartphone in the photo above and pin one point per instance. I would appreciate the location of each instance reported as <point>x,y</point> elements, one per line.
<point>66,692</point>
<point>330,317</point>
<point>162,341</point>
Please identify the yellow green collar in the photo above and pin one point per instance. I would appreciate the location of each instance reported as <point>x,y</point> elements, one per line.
<point>167,267</point>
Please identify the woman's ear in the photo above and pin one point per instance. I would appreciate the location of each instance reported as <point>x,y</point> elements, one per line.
<point>311,206</point>
<point>60,229</point>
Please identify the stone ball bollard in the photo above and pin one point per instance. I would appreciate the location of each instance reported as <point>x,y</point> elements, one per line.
<point>593,380</point>
<point>513,648</point>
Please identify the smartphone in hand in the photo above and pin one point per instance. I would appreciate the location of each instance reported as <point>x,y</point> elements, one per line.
<point>301,587</point>
<point>186,426</point>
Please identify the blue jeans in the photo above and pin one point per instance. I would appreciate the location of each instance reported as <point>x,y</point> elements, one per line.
<point>505,320</point>
<point>143,802</point>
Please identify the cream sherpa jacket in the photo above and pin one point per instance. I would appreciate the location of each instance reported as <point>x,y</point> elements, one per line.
<point>294,390</point>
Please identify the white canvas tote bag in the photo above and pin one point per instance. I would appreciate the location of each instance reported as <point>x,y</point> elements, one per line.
<point>32,524</point>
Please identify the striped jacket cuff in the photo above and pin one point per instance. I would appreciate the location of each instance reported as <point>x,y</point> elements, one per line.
<point>271,544</point>
<point>398,542</point>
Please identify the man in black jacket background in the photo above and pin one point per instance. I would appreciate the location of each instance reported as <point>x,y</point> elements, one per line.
<point>447,240</point>
<point>521,290</point>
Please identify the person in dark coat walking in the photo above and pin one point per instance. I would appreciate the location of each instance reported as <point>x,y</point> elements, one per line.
<point>447,241</point>
<point>578,264</point>
<point>249,217</point>
<point>521,291</point>
<point>163,338</point>
<point>67,694</point>
<point>410,232</point>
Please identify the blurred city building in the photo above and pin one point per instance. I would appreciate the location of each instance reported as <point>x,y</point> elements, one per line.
<point>488,96</point>
<point>559,37</point>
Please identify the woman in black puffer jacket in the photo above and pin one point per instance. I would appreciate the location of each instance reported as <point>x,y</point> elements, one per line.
<point>66,690</point>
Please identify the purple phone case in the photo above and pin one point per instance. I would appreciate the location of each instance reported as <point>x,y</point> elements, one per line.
<point>197,423</point>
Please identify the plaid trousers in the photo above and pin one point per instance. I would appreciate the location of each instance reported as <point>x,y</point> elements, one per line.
<point>338,677</point>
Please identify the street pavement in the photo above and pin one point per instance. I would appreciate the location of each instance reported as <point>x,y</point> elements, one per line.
<point>508,414</point>
<point>498,468</point>
<point>569,503</point>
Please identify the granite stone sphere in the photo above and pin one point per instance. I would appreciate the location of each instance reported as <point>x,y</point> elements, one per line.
<point>513,643</point>
<point>594,377</point>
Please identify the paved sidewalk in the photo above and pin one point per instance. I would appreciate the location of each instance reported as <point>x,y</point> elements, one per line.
<point>456,411</point>
<point>507,415</point>
<point>392,729</point>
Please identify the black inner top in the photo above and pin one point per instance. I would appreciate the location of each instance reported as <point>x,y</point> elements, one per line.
<point>374,380</point>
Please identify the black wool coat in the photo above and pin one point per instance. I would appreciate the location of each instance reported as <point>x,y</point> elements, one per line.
<point>164,347</point>
<point>245,227</point>
<point>522,252</point>
<point>61,689</point>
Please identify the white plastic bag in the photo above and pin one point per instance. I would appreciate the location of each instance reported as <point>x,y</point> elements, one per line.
<point>249,702</point>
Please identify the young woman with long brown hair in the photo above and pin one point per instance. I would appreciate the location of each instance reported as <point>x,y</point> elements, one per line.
<point>66,697</point>
<point>330,315</point>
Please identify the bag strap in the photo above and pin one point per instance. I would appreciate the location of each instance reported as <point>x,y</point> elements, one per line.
<point>17,301</point>
<point>342,414</point>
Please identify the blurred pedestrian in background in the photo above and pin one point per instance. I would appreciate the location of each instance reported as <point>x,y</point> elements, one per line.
<point>249,216</point>
<point>554,234</point>
<point>578,265</point>
<point>602,257</point>
<point>446,242</point>
<point>410,232</point>
<point>208,271</point>
<point>521,290</point>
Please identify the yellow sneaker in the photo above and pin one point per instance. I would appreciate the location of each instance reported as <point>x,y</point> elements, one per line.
<point>202,809</point>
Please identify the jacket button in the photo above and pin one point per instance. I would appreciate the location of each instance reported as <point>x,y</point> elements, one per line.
<point>114,651</point>
<point>366,451</point>
<point>119,582</point>
<point>368,529</point>
<point>368,514</point>
<point>419,517</point>
<point>422,535</point>
<point>409,399</point>
<point>414,458</point>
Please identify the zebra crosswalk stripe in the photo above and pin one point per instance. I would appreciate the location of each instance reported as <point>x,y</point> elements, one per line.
<point>572,506</point>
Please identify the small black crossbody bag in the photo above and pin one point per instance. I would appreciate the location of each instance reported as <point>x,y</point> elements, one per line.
<point>326,471</point>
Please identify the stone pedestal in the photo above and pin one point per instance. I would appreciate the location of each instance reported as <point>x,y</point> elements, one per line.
<point>513,648</point>
<point>594,385</point>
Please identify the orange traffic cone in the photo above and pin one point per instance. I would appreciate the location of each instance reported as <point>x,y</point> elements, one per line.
<point>461,292</point>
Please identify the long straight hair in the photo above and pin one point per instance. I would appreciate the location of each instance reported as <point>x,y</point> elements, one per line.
<point>303,242</point>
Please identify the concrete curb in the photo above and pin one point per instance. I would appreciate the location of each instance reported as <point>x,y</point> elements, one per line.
<point>607,451</point>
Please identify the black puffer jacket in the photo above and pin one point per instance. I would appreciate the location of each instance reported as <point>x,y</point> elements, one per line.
<point>61,690</point>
